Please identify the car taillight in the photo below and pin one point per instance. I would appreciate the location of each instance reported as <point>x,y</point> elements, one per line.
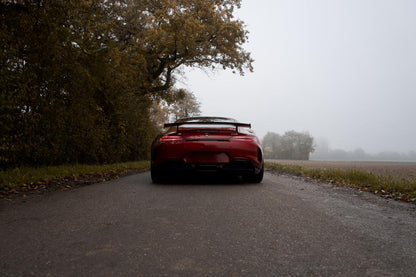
<point>170,138</point>
<point>243,138</point>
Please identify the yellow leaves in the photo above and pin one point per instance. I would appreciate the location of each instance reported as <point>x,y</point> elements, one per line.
<point>197,30</point>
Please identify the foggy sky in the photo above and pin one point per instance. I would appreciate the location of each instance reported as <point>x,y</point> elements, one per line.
<point>343,70</point>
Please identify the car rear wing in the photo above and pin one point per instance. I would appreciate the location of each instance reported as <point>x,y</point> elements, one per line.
<point>236,124</point>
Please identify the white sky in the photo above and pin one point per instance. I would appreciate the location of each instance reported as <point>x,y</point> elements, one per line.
<point>343,70</point>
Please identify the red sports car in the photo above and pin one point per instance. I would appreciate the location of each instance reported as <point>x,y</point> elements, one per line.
<point>207,144</point>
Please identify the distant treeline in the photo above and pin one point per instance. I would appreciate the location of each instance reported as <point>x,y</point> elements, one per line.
<point>289,146</point>
<point>361,155</point>
<point>89,81</point>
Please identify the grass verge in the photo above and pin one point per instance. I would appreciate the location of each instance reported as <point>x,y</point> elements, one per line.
<point>25,179</point>
<point>388,186</point>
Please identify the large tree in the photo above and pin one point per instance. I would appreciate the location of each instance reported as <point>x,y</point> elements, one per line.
<point>290,146</point>
<point>78,78</point>
<point>164,35</point>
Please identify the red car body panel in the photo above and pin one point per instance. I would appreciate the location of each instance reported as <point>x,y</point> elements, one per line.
<point>218,145</point>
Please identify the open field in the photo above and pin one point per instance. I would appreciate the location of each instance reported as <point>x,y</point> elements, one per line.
<point>390,179</point>
<point>406,170</point>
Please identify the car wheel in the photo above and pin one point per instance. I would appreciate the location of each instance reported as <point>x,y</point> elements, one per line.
<point>256,177</point>
<point>156,177</point>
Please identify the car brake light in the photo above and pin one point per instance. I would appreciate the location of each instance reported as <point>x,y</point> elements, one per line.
<point>170,138</point>
<point>243,138</point>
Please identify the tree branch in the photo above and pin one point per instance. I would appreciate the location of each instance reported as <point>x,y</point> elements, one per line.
<point>160,69</point>
<point>167,83</point>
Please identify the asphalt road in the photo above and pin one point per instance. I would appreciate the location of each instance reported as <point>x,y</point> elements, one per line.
<point>281,227</point>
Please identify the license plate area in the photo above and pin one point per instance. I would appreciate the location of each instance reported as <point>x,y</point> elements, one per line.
<point>207,157</point>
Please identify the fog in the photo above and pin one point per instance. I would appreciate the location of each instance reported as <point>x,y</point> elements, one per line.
<point>342,70</point>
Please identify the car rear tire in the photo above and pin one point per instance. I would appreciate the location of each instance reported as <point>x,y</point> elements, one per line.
<point>157,177</point>
<point>256,177</point>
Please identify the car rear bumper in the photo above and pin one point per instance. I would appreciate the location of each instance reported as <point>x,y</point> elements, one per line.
<point>234,167</point>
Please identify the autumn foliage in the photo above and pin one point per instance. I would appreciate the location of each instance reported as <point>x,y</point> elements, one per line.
<point>78,79</point>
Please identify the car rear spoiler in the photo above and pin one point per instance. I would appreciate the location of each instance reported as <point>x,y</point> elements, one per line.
<point>236,124</point>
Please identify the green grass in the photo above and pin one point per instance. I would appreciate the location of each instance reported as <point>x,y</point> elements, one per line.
<point>396,187</point>
<point>19,177</point>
